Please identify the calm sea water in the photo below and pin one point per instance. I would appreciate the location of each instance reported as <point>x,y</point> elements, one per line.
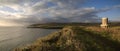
<point>12,37</point>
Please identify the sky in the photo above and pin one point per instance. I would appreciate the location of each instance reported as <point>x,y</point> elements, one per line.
<point>26,12</point>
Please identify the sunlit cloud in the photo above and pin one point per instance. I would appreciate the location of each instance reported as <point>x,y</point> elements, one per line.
<point>27,12</point>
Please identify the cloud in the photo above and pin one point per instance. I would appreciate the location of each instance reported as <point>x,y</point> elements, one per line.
<point>41,11</point>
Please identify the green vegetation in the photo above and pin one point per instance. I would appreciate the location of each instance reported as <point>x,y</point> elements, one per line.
<point>74,38</point>
<point>61,25</point>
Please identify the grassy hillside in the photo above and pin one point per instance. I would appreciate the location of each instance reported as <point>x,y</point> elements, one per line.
<point>61,25</point>
<point>78,39</point>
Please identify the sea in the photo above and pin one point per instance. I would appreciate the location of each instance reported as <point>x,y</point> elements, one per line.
<point>14,37</point>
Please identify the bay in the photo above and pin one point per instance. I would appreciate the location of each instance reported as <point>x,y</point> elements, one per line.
<point>13,37</point>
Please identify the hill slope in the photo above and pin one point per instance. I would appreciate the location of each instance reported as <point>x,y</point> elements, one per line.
<point>61,25</point>
<point>78,39</point>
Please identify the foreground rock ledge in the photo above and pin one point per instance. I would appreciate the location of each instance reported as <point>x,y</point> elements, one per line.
<point>73,39</point>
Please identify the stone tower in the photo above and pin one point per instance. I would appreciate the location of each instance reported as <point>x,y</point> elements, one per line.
<point>104,23</point>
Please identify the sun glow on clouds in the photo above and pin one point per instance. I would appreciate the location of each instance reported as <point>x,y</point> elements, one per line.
<point>8,23</point>
<point>22,12</point>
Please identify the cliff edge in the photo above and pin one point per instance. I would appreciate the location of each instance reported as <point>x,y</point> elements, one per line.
<point>75,39</point>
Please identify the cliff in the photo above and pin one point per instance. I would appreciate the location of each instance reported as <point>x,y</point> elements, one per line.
<point>77,39</point>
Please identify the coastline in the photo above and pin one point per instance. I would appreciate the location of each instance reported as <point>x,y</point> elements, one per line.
<point>76,39</point>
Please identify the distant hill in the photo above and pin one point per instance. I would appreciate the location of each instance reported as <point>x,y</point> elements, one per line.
<point>61,25</point>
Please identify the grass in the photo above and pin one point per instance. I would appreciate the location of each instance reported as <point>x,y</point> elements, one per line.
<point>98,40</point>
<point>61,25</point>
<point>72,38</point>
